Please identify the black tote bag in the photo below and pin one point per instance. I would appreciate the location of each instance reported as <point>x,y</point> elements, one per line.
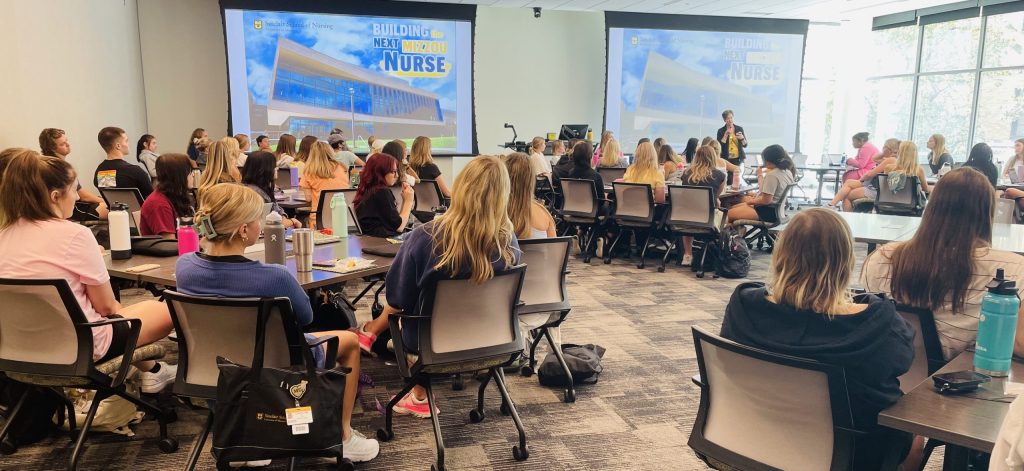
<point>255,404</point>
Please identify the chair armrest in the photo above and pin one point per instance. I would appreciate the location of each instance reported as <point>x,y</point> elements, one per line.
<point>332,349</point>
<point>403,315</point>
<point>134,328</point>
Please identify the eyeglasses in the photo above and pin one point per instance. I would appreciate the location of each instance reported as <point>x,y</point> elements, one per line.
<point>394,172</point>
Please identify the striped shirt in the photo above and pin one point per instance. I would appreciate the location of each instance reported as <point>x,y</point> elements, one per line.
<point>956,331</point>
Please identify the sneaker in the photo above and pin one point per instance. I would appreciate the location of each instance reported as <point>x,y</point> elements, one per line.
<point>366,339</point>
<point>687,260</point>
<point>358,448</point>
<point>249,464</point>
<point>409,405</point>
<point>153,383</point>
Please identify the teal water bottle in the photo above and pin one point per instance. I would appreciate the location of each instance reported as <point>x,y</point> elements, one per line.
<point>997,327</point>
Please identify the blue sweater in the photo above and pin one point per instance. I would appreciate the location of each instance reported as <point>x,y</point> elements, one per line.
<point>244,279</point>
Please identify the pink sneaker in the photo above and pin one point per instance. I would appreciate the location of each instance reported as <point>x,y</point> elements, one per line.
<point>366,339</point>
<point>409,405</point>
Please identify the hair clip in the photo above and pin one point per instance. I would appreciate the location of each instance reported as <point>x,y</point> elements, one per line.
<point>204,226</point>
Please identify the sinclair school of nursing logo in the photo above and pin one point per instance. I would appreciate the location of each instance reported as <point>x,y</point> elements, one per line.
<point>258,24</point>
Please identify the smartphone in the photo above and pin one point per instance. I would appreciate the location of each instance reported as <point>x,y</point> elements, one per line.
<point>324,263</point>
<point>959,381</point>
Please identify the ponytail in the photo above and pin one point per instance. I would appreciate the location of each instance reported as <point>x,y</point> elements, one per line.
<point>26,183</point>
<point>777,156</point>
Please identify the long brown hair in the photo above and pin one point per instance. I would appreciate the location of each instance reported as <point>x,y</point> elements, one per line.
<point>522,182</point>
<point>953,226</point>
<point>174,170</point>
<point>304,147</point>
<point>812,263</point>
<point>420,155</point>
<point>26,184</point>
<point>285,146</point>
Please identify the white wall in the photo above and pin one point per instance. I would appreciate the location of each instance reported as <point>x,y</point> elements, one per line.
<point>537,73</point>
<point>184,69</point>
<point>71,65</point>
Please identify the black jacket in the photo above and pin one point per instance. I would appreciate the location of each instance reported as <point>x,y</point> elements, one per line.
<point>734,159</point>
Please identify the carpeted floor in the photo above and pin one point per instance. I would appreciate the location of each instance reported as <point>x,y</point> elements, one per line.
<point>638,416</point>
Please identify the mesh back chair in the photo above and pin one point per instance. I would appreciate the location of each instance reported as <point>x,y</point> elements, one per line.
<point>769,216</point>
<point>545,298</point>
<point>581,208</point>
<point>610,174</point>
<point>543,191</point>
<point>130,197</point>
<point>284,179</point>
<point>461,327</point>
<point>765,411</point>
<point>323,216</point>
<point>634,211</point>
<point>429,200</point>
<point>692,212</point>
<point>905,202</point>
<point>47,341</point>
<point>928,358</point>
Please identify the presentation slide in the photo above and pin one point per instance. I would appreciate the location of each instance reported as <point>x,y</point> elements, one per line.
<point>675,84</point>
<point>393,78</point>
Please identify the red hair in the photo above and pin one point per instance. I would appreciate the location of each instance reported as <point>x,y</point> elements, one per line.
<point>374,175</point>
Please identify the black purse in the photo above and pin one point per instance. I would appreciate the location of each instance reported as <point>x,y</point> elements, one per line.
<point>267,413</point>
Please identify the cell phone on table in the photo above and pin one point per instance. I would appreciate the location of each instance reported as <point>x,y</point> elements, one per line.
<point>323,263</point>
<point>959,381</point>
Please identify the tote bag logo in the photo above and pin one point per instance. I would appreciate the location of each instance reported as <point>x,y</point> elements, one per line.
<point>298,390</point>
<point>258,24</point>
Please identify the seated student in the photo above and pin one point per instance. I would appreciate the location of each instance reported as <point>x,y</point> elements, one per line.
<point>285,151</point>
<point>613,158</point>
<point>145,153</point>
<point>321,172</point>
<point>530,219</point>
<point>949,260</point>
<point>54,143</point>
<point>170,200</point>
<point>578,167</point>
<point>889,150</point>
<point>671,164</point>
<point>263,143</point>
<point>243,149</point>
<point>228,221</point>
<point>202,147</point>
<point>864,161</point>
<point>193,140</point>
<point>375,205</point>
<point>980,159</point>
<point>938,157</point>
<point>114,172</point>
<point>780,174</point>
<point>702,172</point>
<point>220,168</point>
<point>1016,161</point>
<point>691,149</point>
<point>396,149</point>
<point>904,164</point>
<point>539,163</point>
<point>259,173</point>
<point>806,311</point>
<point>658,143</point>
<point>422,165</point>
<point>645,169</point>
<point>474,237</point>
<point>342,153</point>
<point>303,153</point>
<point>721,164</point>
<point>557,151</point>
<point>38,242</point>
<point>599,152</point>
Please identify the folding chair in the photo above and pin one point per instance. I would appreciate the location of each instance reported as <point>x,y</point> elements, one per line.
<point>908,201</point>
<point>693,212</point>
<point>429,200</point>
<point>634,211</point>
<point>581,208</point>
<point>610,174</point>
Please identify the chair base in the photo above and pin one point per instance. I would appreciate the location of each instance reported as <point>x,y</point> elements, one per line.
<point>529,369</point>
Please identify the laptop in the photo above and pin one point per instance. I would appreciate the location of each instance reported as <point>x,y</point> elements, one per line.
<point>835,160</point>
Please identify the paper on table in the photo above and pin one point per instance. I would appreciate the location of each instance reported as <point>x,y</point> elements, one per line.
<point>347,265</point>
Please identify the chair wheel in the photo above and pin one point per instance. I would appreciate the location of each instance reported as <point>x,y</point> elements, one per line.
<point>376,310</point>
<point>385,435</point>
<point>476,416</point>
<point>607,261</point>
<point>526,371</point>
<point>520,454</point>
<point>168,445</point>
<point>570,395</point>
<point>700,274</point>
<point>345,464</point>
<point>586,259</point>
<point>8,448</point>
<point>437,467</point>
<point>504,409</point>
<point>661,269</point>
<point>640,265</point>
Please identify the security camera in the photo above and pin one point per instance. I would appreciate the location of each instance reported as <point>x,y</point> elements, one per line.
<point>536,12</point>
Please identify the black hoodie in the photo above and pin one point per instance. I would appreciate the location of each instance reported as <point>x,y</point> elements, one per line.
<point>875,346</point>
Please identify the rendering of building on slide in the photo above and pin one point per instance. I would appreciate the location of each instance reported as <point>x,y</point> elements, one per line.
<point>310,94</point>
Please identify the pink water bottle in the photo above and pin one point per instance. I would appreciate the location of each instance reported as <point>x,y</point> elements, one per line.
<point>736,178</point>
<point>188,240</point>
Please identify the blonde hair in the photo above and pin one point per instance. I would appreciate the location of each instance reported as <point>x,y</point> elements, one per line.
<point>321,163</point>
<point>420,156</point>
<point>716,146</point>
<point>645,168</point>
<point>703,165</point>
<point>522,182</point>
<point>906,159</point>
<point>476,229</point>
<point>202,144</point>
<point>605,137</point>
<point>234,150</point>
<point>218,165</point>
<point>225,207</point>
<point>812,263</point>
<point>243,141</point>
<point>537,144</point>
<point>939,149</point>
<point>610,154</point>
<point>892,144</point>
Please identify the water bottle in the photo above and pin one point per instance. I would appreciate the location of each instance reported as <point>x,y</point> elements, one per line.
<point>997,327</point>
<point>294,174</point>
<point>273,239</point>
<point>945,169</point>
<point>188,240</point>
<point>842,160</point>
<point>736,178</point>
<point>590,135</point>
<point>339,215</point>
<point>120,232</point>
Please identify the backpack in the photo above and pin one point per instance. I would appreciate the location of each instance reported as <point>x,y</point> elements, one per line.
<point>698,251</point>
<point>115,414</point>
<point>896,182</point>
<point>35,420</point>
<point>584,362</point>
<point>733,254</point>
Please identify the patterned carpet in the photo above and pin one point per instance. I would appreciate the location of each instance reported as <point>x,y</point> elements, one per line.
<point>638,416</point>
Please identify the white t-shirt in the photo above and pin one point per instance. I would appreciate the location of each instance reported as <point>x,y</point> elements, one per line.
<point>539,164</point>
<point>58,249</point>
<point>956,331</point>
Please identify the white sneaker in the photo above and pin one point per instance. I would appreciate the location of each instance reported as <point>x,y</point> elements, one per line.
<point>687,260</point>
<point>153,383</point>
<point>249,464</point>
<point>358,448</point>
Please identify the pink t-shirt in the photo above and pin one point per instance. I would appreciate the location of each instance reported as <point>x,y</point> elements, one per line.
<point>58,249</point>
<point>862,163</point>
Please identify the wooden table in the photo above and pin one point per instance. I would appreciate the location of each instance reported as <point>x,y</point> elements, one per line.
<point>350,247</point>
<point>293,202</point>
<point>964,422</point>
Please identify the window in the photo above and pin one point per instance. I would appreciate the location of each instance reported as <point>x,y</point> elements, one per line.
<point>1004,40</point>
<point>1000,117</point>
<point>817,100</point>
<point>887,107</point>
<point>944,105</point>
<point>952,45</point>
<point>893,51</point>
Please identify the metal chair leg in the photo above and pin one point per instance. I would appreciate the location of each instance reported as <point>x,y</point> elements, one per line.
<point>438,440</point>
<point>388,432</point>
<point>99,397</point>
<point>13,414</point>
<point>643,251</point>
<point>519,452</point>
<point>609,250</point>
<point>570,391</point>
<point>197,449</point>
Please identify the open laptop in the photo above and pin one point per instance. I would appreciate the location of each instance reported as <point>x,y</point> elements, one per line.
<point>835,160</point>
<point>1017,175</point>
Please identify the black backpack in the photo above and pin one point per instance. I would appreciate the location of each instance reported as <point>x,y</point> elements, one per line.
<point>584,362</point>
<point>35,420</point>
<point>733,254</point>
